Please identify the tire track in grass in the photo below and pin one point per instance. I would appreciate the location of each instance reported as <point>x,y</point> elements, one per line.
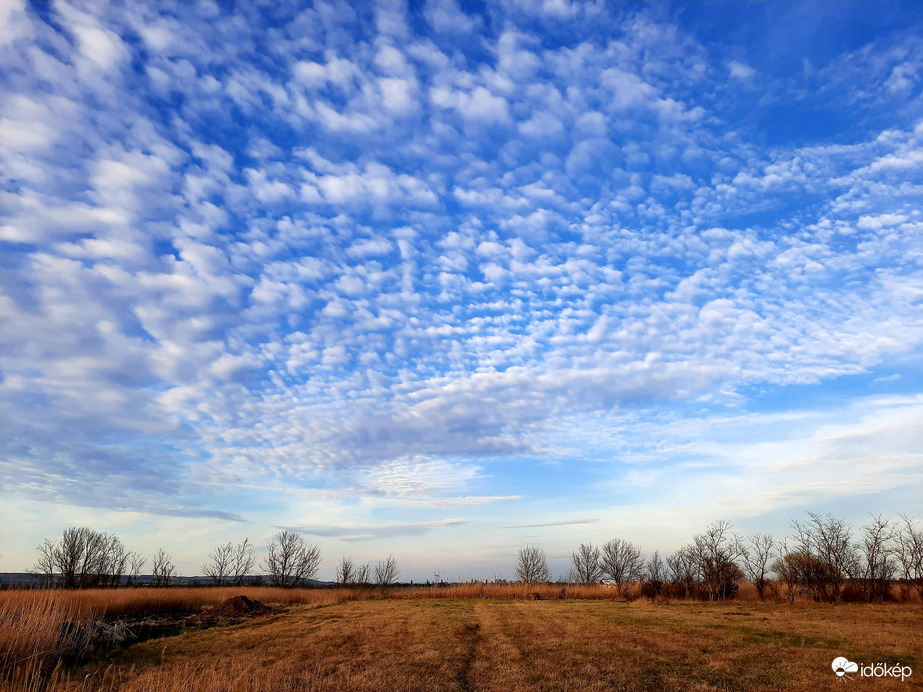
<point>472,632</point>
<point>498,664</point>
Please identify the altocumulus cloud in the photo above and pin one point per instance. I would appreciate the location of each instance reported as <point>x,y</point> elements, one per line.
<point>404,253</point>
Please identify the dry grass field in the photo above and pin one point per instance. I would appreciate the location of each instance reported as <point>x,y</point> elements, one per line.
<point>327,640</point>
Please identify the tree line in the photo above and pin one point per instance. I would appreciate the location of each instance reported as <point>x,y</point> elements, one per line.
<point>85,558</point>
<point>823,559</point>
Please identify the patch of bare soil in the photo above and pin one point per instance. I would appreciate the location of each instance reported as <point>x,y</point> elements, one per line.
<point>233,608</point>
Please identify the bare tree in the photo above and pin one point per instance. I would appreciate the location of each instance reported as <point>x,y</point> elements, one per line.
<point>135,565</point>
<point>586,564</point>
<point>386,571</point>
<point>163,571</point>
<point>82,558</point>
<point>876,565</point>
<point>73,556</point>
<point>364,574</point>
<point>909,548</point>
<point>345,571</point>
<point>45,567</point>
<point>622,561</point>
<point>349,573</point>
<point>756,555</point>
<point>230,563</point>
<point>218,568</point>
<point>115,560</point>
<point>683,571</point>
<point>533,565</point>
<point>655,575</point>
<point>290,561</point>
<point>242,562</point>
<point>828,556</point>
<point>786,568</point>
<point>715,553</point>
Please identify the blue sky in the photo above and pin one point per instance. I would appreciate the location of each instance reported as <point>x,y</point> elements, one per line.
<point>440,280</point>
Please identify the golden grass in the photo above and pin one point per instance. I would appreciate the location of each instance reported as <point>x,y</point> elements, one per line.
<point>504,646</point>
<point>143,601</point>
<point>506,591</point>
<point>476,637</point>
<point>40,628</point>
<point>33,636</point>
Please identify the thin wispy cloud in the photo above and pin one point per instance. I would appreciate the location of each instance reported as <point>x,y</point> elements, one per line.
<point>376,531</point>
<point>563,522</point>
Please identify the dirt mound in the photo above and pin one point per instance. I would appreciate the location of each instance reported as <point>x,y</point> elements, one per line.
<point>239,606</point>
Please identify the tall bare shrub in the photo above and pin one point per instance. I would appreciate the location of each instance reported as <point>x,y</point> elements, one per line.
<point>163,571</point>
<point>909,548</point>
<point>386,571</point>
<point>532,567</point>
<point>876,562</point>
<point>826,555</point>
<point>586,564</point>
<point>290,560</point>
<point>621,560</point>
<point>82,558</point>
<point>715,553</point>
<point>756,558</point>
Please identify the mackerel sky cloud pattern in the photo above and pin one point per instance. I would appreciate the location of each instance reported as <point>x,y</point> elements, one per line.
<point>382,270</point>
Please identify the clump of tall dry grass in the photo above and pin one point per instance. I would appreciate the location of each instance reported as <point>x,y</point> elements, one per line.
<point>114,603</point>
<point>40,628</point>
<point>36,633</point>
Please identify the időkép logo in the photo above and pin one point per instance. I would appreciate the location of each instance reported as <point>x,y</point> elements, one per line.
<point>843,667</point>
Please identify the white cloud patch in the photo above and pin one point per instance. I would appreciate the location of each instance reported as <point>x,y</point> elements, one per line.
<point>14,22</point>
<point>739,70</point>
<point>477,105</point>
<point>418,477</point>
<point>445,16</point>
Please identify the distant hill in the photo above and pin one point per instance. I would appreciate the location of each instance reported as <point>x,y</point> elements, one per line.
<point>8,579</point>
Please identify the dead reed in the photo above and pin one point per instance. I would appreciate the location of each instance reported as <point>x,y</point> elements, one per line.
<point>39,629</point>
<point>113,603</point>
<point>35,633</point>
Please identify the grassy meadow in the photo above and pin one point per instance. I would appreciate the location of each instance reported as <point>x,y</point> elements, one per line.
<point>464,638</point>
